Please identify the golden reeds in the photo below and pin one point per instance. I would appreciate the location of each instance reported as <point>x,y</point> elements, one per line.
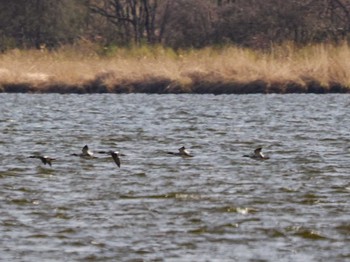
<point>284,68</point>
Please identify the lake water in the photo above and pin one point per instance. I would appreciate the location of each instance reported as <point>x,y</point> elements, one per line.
<point>216,206</point>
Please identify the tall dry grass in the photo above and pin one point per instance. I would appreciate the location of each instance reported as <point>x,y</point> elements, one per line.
<point>86,68</point>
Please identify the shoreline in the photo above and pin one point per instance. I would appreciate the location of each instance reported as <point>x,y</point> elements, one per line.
<point>321,68</point>
<point>167,86</point>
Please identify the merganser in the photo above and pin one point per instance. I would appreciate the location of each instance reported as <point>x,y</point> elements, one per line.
<point>44,159</point>
<point>257,154</point>
<point>85,152</point>
<point>182,152</point>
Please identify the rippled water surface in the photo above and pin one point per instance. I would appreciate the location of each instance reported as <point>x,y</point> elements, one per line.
<point>216,206</point>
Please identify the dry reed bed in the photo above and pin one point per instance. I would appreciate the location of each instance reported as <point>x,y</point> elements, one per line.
<point>284,69</point>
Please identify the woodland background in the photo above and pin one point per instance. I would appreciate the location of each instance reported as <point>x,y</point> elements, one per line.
<point>172,23</point>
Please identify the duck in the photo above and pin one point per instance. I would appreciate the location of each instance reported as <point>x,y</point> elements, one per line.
<point>44,159</point>
<point>182,152</point>
<point>115,155</point>
<point>257,154</point>
<point>85,152</point>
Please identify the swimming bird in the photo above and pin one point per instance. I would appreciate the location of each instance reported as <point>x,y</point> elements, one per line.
<point>44,159</point>
<point>85,152</point>
<point>115,155</point>
<point>182,152</point>
<point>257,154</point>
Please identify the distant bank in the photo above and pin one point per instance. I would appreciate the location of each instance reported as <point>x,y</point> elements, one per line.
<point>166,86</point>
<point>319,68</point>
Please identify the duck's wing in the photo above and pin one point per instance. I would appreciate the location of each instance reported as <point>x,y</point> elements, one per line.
<point>116,158</point>
<point>186,152</point>
<point>43,159</point>
<point>257,152</point>
<point>85,150</point>
<point>48,161</point>
<point>182,149</point>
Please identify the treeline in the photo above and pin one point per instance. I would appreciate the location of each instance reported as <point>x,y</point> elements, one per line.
<point>172,23</point>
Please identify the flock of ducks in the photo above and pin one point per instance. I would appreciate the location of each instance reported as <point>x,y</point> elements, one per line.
<point>182,152</point>
<point>85,153</point>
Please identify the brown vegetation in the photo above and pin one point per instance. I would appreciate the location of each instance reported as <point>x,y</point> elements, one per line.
<point>286,68</point>
<point>174,46</point>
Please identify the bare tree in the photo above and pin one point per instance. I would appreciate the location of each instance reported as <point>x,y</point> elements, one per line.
<point>186,23</point>
<point>337,15</point>
<point>134,19</point>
